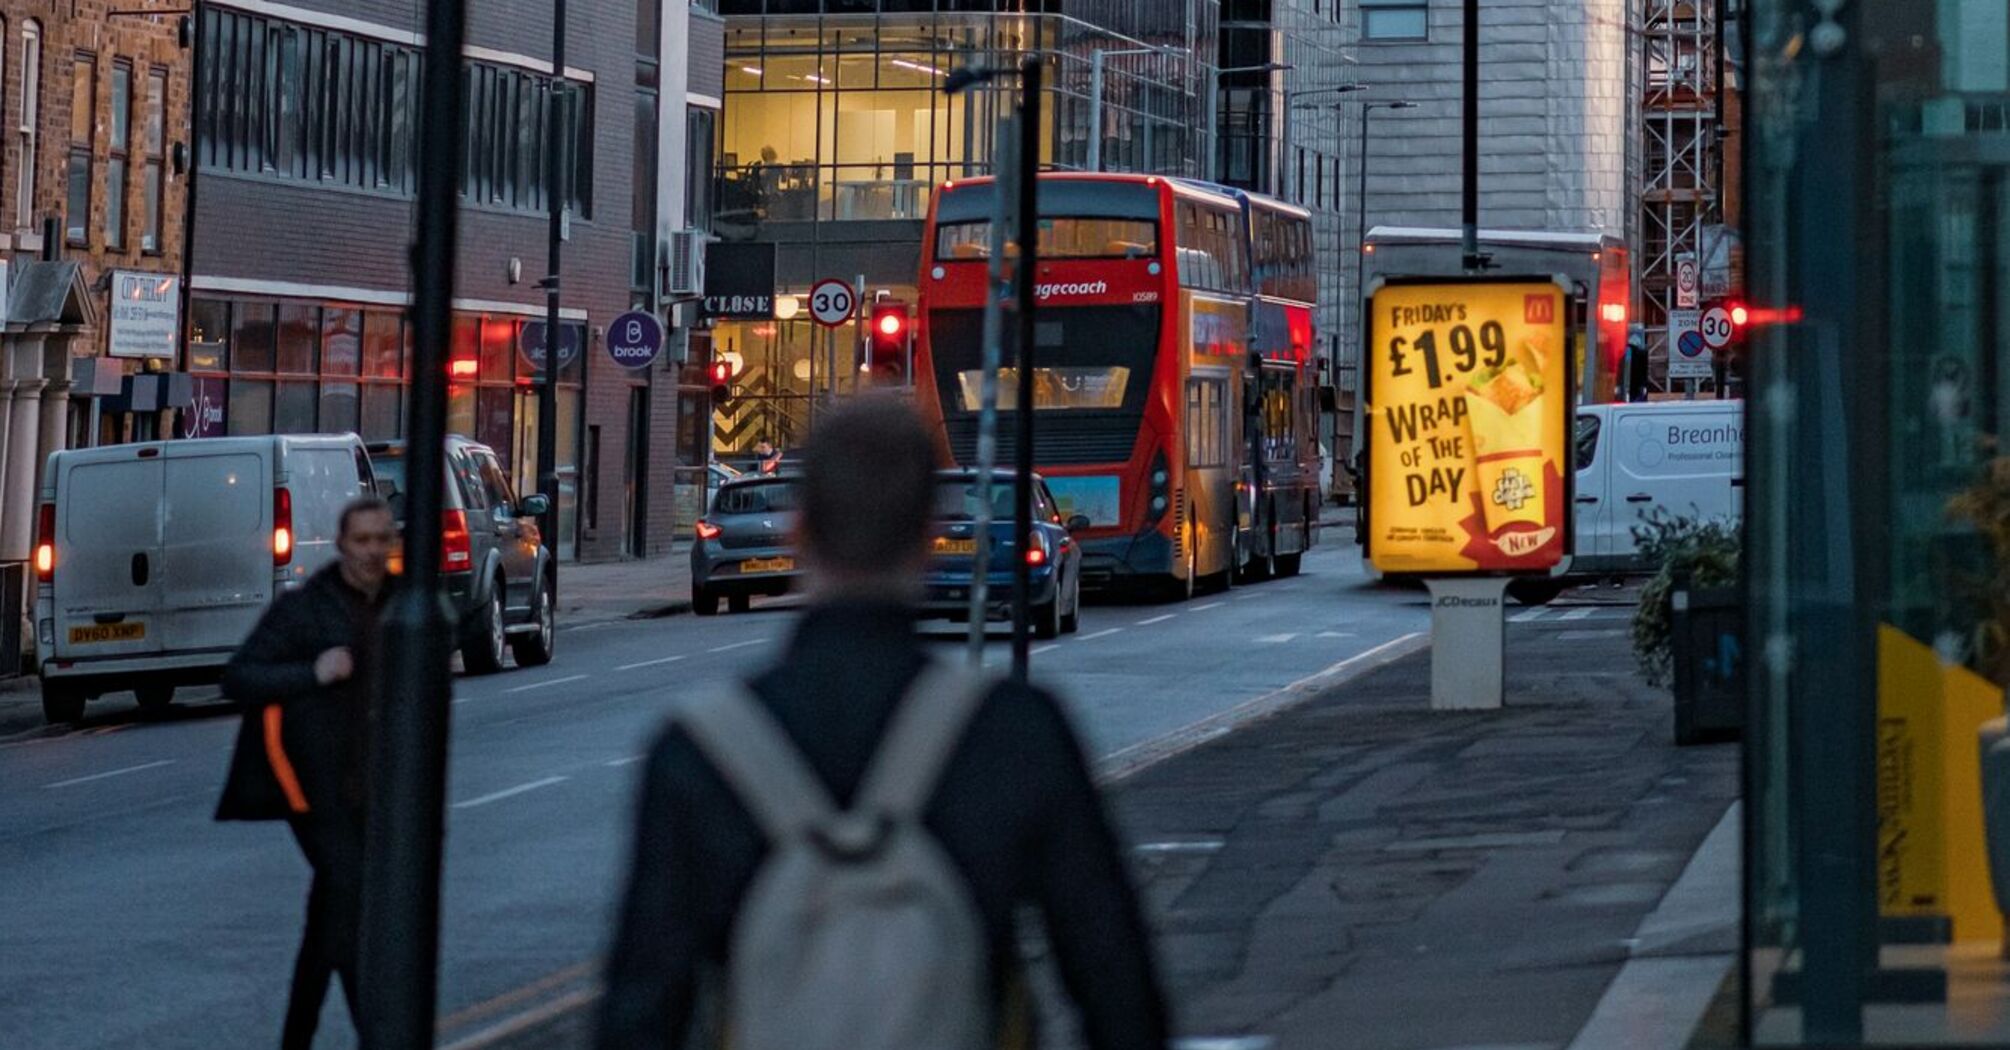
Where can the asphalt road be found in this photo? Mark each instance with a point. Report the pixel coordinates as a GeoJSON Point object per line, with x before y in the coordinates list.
{"type": "Point", "coordinates": [129, 919]}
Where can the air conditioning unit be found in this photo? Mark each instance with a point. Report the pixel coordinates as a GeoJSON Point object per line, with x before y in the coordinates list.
{"type": "Point", "coordinates": [684, 272]}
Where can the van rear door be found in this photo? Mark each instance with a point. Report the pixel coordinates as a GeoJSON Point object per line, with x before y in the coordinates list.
{"type": "Point", "coordinates": [217, 535]}
{"type": "Point", "coordinates": [108, 554]}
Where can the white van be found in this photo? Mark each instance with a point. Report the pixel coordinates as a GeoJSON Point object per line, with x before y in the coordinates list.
{"type": "Point", "coordinates": [154, 560]}
{"type": "Point", "coordinates": [1685, 457]}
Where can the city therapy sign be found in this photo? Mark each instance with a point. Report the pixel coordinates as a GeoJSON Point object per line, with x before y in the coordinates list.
{"type": "Point", "coordinates": [1469, 400]}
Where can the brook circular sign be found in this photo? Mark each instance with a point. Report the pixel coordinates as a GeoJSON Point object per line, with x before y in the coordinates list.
{"type": "Point", "coordinates": [634, 339]}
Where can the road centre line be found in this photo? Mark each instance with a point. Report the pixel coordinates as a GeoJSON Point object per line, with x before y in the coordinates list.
{"type": "Point", "coordinates": [498, 796]}
{"type": "Point", "coordinates": [546, 682]}
{"type": "Point", "coordinates": [629, 761]}
{"type": "Point", "coordinates": [111, 773]}
{"type": "Point", "coordinates": [736, 645]}
{"type": "Point", "coordinates": [1575, 614]}
{"type": "Point", "coordinates": [650, 663]}
{"type": "Point", "coordinates": [1210, 605]}
{"type": "Point", "coordinates": [1104, 633]}
{"type": "Point", "coordinates": [1045, 649]}
{"type": "Point", "coordinates": [1156, 619]}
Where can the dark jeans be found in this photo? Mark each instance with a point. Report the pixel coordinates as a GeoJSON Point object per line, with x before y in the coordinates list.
{"type": "Point", "coordinates": [334, 848]}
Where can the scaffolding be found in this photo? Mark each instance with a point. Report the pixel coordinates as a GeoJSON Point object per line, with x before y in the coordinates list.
{"type": "Point", "coordinates": [1682, 198]}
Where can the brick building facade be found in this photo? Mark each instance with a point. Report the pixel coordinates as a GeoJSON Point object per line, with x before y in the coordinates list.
{"type": "Point", "coordinates": [307, 153]}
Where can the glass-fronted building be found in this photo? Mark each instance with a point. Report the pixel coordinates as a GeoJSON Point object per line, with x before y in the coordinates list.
{"type": "Point", "coordinates": [835, 129]}
{"type": "Point", "coordinates": [1877, 540]}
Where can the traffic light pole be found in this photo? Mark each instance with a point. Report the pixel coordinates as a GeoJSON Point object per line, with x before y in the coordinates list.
{"type": "Point", "coordinates": [399, 949]}
{"type": "Point", "coordinates": [558, 156]}
{"type": "Point", "coordinates": [1028, 264]}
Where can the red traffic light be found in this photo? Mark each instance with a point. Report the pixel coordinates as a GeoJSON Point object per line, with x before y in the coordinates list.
{"type": "Point", "coordinates": [1740, 315]}
{"type": "Point", "coordinates": [888, 331]}
{"type": "Point", "coordinates": [722, 372]}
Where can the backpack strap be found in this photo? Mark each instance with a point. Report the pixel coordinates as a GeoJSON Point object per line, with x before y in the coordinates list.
{"type": "Point", "coordinates": [757, 759]}
{"type": "Point", "coordinates": [924, 732]}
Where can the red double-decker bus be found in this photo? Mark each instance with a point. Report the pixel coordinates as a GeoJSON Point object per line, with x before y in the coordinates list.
{"type": "Point", "coordinates": [1170, 412]}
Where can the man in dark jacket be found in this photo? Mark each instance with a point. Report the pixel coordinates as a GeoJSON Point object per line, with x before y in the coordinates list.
{"type": "Point", "coordinates": [305, 677]}
{"type": "Point", "coordinates": [1016, 811]}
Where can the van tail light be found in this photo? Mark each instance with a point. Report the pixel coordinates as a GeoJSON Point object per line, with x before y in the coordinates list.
{"type": "Point", "coordinates": [1036, 552]}
{"type": "Point", "coordinates": [45, 543]}
{"type": "Point", "coordinates": [282, 526]}
{"type": "Point", "coordinates": [457, 552]}
{"type": "Point", "coordinates": [709, 531]}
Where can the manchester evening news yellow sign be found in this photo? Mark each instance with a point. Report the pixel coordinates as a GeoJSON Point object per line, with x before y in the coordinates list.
{"type": "Point", "coordinates": [1468, 403]}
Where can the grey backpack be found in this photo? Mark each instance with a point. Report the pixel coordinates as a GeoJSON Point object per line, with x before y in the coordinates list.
{"type": "Point", "coordinates": [857, 932]}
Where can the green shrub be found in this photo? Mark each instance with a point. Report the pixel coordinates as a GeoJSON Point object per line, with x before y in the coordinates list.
{"type": "Point", "coordinates": [1706, 552]}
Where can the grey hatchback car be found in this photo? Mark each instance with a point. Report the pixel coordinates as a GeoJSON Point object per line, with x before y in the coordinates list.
{"type": "Point", "coordinates": [743, 543]}
{"type": "Point", "coordinates": [496, 569]}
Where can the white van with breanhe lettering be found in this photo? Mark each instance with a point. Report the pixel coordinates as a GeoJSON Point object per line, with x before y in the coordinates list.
{"type": "Point", "coordinates": [154, 560]}
{"type": "Point", "coordinates": [1685, 458]}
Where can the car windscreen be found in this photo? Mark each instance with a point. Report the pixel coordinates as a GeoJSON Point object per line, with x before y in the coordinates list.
{"type": "Point", "coordinates": [959, 499]}
{"type": "Point", "coordinates": [765, 497]}
{"type": "Point", "coordinates": [1093, 357]}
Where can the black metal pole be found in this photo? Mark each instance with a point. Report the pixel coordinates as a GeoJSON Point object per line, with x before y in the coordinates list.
{"type": "Point", "coordinates": [1022, 480]}
{"type": "Point", "coordinates": [408, 753]}
{"type": "Point", "coordinates": [195, 119]}
{"type": "Point", "coordinates": [557, 155]}
{"type": "Point", "coordinates": [1469, 183]}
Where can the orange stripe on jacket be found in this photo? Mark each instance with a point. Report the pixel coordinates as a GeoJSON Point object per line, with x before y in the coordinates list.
{"type": "Point", "coordinates": [282, 767]}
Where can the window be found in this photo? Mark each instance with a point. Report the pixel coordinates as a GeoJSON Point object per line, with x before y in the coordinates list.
{"type": "Point", "coordinates": [120, 157]}
{"type": "Point", "coordinates": [83, 136]}
{"type": "Point", "coordinates": [1206, 423]}
{"type": "Point", "coordinates": [153, 176]}
{"type": "Point", "coordinates": [507, 125]}
{"type": "Point", "coordinates": [300, 102]}
{"type": "Point", "coordinates": [1587, 441]}
{"type": "Point", "coordinates": [1060, 238]}
{"type": "Point", "coordinates": [642, 194]}
{"type": "Point", "coordinates": [1394, 20]}
{"type": "Point", "coordinates": [698, 173]}
{"type": "Point", "coordinates": [31, 119]}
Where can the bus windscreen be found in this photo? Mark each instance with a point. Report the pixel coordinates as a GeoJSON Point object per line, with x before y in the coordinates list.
{"type": "Point", "coordinates": [1093, 357]}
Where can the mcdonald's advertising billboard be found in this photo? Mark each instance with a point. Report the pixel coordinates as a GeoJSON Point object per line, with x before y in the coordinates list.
{"type": "Point", "coordinates": [1469, 399]}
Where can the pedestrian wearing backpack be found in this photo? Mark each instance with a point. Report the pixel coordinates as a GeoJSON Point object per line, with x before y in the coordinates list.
{"type": "Point", "coordinates": [835, 853]}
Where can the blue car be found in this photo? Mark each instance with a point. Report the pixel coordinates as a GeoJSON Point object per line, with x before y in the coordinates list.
{"type": "Point", "coordinates": [1056, 558]}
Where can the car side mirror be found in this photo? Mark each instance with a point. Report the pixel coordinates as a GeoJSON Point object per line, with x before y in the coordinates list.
{"type": "Point", "coordinates": [535, 505]}
{"type": "Point", "coordinates": [1078, 522]}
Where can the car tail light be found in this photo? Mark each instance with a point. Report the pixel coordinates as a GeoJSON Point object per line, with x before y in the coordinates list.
{"type": "Point", "coordinates": [457, 552]}
{"type": "Point", "coordinates": [45, 543]}
{"type": "Point", "coordinates": [1036, 552]}
{"type": "Point", "coordinates": [709, 531]}
{"type": "Point", "coordinates": [282, 526]}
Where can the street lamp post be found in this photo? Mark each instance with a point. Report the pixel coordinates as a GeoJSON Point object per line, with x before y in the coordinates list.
{"type": "Point", "coordinates": [1284, 160]}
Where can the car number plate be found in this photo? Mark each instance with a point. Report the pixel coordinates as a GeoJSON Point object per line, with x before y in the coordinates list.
{"type": "Point", "coordinates": [108, 632]}
{"type": "Point", "coordinates": [768, 565]}
{"type": "Point", "coordinates": [947, 545]}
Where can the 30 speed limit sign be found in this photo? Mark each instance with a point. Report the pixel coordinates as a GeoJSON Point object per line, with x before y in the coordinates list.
{"type": "Point", "coordinates": [1716, 327]}
{"type": "Point", "coordinates": [832, 302]}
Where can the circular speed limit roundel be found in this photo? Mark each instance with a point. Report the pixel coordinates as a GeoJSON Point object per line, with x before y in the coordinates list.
{"type": "Point", "coordinates": [832, 302]}
{"type": "Point", "coordinates": [1716, 327]}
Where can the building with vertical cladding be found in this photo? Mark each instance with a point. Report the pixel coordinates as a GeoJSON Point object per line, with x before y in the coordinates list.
{"type": "Point", "coordinates": [835, 131]}
{"type": "Point", "coordinates": [94, 109]}
{"type": "Point", "coordinates": [1558, 123]}
{"type": "Point", "coordinates": [307, 148]}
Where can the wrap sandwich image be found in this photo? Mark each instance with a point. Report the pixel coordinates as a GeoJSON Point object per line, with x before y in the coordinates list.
{"type": "Point", "coordinates": [1506, 410]}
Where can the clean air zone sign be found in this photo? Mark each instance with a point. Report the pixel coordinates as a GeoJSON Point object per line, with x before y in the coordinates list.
{"type": "Point", "coordinates": [1469, 400]}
